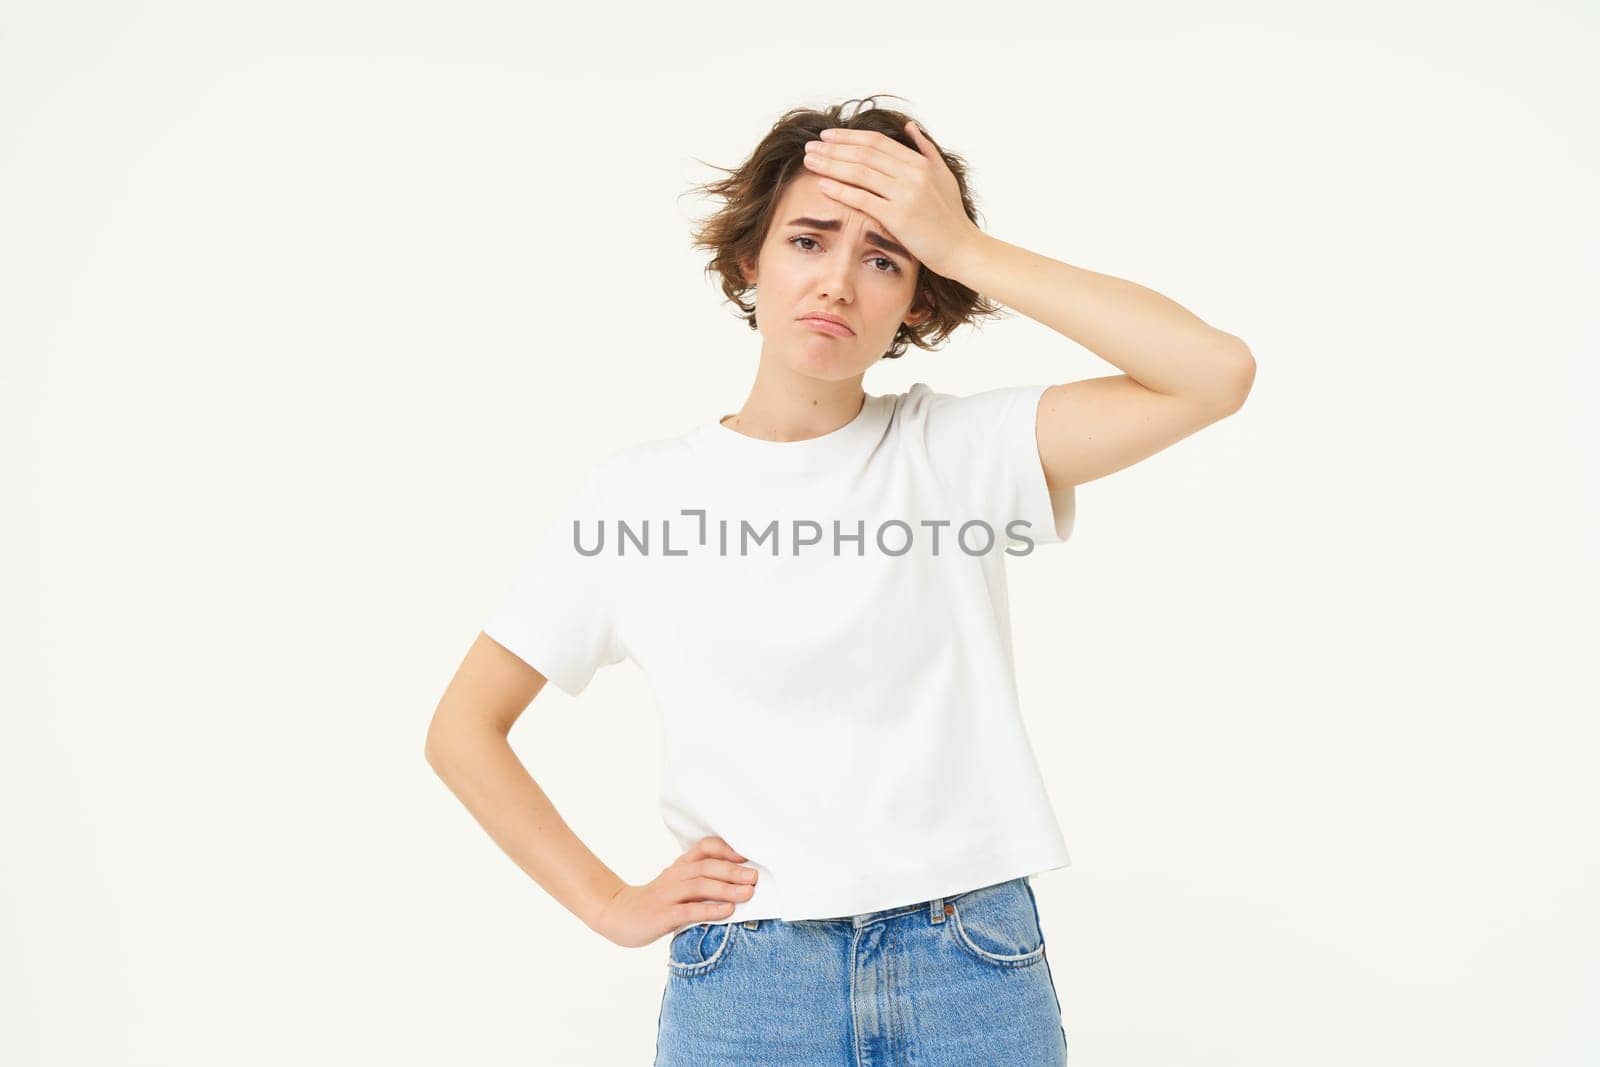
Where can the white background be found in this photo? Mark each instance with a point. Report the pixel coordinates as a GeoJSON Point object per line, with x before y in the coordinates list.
{"type": "Point", "coordinates": [315, 313]}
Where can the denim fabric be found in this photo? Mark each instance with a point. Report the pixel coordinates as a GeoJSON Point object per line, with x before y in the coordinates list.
{"type": "Point", "coordinates": [952, 982]}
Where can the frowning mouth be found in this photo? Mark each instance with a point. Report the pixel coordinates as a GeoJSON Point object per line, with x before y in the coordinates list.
{"type": "Point", "coordinates": [831, 324]}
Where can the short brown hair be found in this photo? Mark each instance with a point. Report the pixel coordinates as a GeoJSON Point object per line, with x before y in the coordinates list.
{"type": "Point", "coordinates": [750, 195]}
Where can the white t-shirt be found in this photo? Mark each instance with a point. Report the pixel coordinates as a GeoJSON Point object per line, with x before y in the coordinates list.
{"type": "Point", "coordinates": [843, 712]}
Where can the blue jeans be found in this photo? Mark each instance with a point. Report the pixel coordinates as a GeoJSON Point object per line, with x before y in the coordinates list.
{"type": "Point", "coordinates": [958, 980]}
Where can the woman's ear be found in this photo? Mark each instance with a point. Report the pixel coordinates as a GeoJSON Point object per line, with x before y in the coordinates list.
{"type": "Point", "coordinates": [748, 270]}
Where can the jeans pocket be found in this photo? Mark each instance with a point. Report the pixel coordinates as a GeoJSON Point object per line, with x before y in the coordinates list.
{"type": "Point", "coordinates": [699, 949]}
{"type": "Point", "coordinates": [998, 925]}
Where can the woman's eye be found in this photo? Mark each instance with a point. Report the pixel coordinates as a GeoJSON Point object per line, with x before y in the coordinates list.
{"type": "Point", "coordinates": [894, 268]}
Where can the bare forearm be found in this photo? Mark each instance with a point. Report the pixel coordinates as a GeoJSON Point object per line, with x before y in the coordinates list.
{"type": "Point", "coordinates": [484, 773]}
{"type": "Point", "coordinates": [1154, 340]}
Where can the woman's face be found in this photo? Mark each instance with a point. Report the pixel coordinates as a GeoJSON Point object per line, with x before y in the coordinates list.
{"type": "Point", "coordinates": [823, 255]}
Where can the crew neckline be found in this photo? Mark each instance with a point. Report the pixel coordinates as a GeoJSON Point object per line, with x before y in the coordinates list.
{"type": "Point", "coordinates": [805, 454]}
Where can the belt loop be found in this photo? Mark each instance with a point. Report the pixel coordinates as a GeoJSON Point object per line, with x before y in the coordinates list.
{"type": "Point", "coordinates": [936, 910]}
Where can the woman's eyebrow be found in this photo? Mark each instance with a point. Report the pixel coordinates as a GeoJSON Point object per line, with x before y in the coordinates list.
{"type": "Point", "coordinates": [873, 237]}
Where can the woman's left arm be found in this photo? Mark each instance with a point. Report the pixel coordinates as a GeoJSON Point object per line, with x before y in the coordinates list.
{"type": "Point", "coordinates": [1179, 373]}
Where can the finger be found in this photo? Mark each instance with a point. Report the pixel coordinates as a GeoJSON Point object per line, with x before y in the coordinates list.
{"type": "Point", "coordinates": [683, 914]}
{"type": "Point", "coordinates": [728, 872]}
{"type": "Point", "coordinates": [710, 846]}
{"type": "Point", "coordinates": [865, 155]}
{"type": "Point", "coordinates": [881, 141]}
{"type": "Point", "coordinates": [694, 852]}
{"type": "Point", "coordinates": [823, 162]}
{"type": "Point", "coordinates": [860, 199]}
{"type": "Point", "coordinates": [715, 889]}
{"type": "Point", "coordinates": [927, 146]}
{"type": "Point", "coordinates": [853, 165]}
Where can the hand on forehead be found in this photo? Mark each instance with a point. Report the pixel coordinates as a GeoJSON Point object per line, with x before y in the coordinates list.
{"type": "Point", "coordinates": [806, 200]}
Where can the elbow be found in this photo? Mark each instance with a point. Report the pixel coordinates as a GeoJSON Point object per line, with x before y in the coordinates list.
{"type": "Point", "coordinates": [434, 745]}
{"type": "Point", "coordinates": [1236, 379]}
{"type": "Point", "coordinates": [455, 739]}
{"type": "Point", "coordinates": [444, 757]}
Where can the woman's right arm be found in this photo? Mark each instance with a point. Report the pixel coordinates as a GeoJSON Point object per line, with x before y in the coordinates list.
{"type": "Point", "coordinates": [468, 747]}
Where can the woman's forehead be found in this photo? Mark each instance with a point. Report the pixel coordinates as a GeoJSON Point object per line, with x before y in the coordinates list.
{"type": "Point", "coordinates": [807, 200]}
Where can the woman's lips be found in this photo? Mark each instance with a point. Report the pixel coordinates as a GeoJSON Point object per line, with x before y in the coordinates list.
{"type": "Point", "coordinates": [827, 327]}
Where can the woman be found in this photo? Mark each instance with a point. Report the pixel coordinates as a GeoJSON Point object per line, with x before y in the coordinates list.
{"type": "Point", "coordinates": [815, 586]}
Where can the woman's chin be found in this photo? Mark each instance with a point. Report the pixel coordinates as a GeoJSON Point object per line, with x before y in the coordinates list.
{"type": "Point", "coordinates": [831, 355]}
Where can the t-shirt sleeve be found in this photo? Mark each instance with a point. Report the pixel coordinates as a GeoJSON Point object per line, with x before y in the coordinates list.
{"type": "Point", "coordinates": [559, 614]}
{"type": "Point", "coordinates": [986, 447]}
